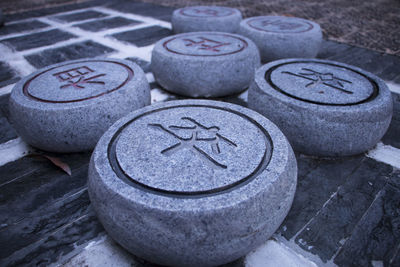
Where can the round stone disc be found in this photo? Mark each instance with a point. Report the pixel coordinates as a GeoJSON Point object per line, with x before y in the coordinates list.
{"type": "Point", "coordinates": [280, 37]}
{"type": "Point", "coordinates": [192, 182]}
{"type": "Point", "coordinates": [206, 18]}
{"type": "Point", "coordinates": [324, 107]}
{"type": "Point", "coordinates": [205, 64]}
{"type": "Point", "coordinates": [66, 107]}
{"type": "Point", "coordinates": [202, 149]}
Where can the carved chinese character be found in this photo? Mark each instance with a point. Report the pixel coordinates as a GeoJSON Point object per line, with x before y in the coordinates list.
{"type": "Point", "coordinates": [205, 44]}
{"type": "Point", "coordinates": [318, 78]}
{"type": "Point", "coordinates": [210, 12]}
{"type": "Point", "coordinates": [283, 25]}
{"type": "Point", "coordinates": [198, 134]}
{"type": "Point", "coordinates": [76, 77]}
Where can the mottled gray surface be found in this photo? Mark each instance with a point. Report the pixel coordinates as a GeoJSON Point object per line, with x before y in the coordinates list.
{"type": "Point", "coordinates": [205, 64]}
{"type": "Point", "coordinates": [280, 37]}
{"type": "Point", "coordinates": [67, 107]}
{"type": "Point", "coordinates": [206, 18]}
{"type": "Point", "coordinates": [169, 182]}
{"type": "Point", "coordinates": [324, 107]}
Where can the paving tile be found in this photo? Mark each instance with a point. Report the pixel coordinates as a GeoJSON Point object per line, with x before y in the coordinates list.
{"type": "Point", "coordinates": [145, 65]}
{"type": "Point", "coordinates": [78, 16]}
{"type": "Point", "coordinates": [325, 234]}
{"type": "Point", "coordinates": [144, 36]}
{"type": "Point", "coordinates": [7, 75]}
{"type": "Point", "coordinates": [318, 179]}
{"type": "Point", "coordinates": [62, 241]}
{"type": "Point", "coordinates": [144, 9]}
{"type": "Point", "coordinates": [7, 132]}
{"type": "Point", "coordinates": [38, 39]}
{"type": "Point", "coordinates": [22, 27]}
{"type": "Point", "coordinates": [37, 187]}
{"type": "Point", "coordinates": [87, 49]}
{"type": "Point", "coordinates": [377, 235]}
{"type": "Point", "coordinates": [392, 136]}
{"type": "Point", "coordinates": [104, 24]}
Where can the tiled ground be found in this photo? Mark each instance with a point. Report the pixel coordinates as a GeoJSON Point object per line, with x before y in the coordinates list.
{"type": "Point", "coordinates": [346, 211]}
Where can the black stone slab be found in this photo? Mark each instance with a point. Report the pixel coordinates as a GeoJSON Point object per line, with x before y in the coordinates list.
{"type": "Point", "coordinates": [144, 9]}
{"type": "Point", "coordinates": [7, 75]}
{"type": "Point", "coordinates": [87, 49]}
{"type": "Point", "coordinates": [377, 235]}
{"type": "Point", "coordinates": [104, 24]}
{"type": "Point", "coordinates": [38, 187]}
{"type": "Point", "coordinates": [38, 39]}
{"type": "Point", "coordinates": [6, 131]}
{"type": "Point", "coordinates": [78, 16]}
{"type": "Point", "coordinates": [392, 136]}
{"type": "Point", "coordinates": [335, 222]}
{"type": "Point", "coordinates": [318, 179]}
{"type": "Point", "coordinates": [145, 65]}
{"type": "Point", "coordinates": [383, 65]}
{"type": "Point", "coordinates": [22, 27]}
{"type": "Point", "coordinates": [144, 36]}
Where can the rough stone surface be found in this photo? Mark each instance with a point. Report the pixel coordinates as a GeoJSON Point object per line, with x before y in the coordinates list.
{"type": "Point", "coordinates": [192, 182]}
{"type": "Point", "coordinates": [205, 64]}
{"type": "Point", "coordinates": [283, 37]}
{"type": "Point", "coordinates": [324, 107]}
{"type": "Point", "coordinates": [206, 18]}
{"type": "Point", "coordinates": [68, 106]}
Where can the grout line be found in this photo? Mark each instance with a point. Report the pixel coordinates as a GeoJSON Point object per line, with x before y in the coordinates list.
{"type": "Point", "coordinates": [386, 154]}
{"type": "Point", "coordinates": [13, 150]}
{"type": "Point", "coordinates": [6, 89]}
{"type": "Point", "coordinates": [393, 87]}
{"type": "Point", "coordinates": [16, 61]}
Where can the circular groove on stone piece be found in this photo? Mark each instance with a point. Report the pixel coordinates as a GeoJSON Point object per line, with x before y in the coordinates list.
{"type": "Point", "coordinates": [205, 44]}
{"type": "Point", "coordinates": [78, 81]}
{"type": "Point", "coordinates": [279, 24]}
{"type": "Point", "coordinates": [206, 11]}
{"type": "Point", "coordinates": [202, 138]}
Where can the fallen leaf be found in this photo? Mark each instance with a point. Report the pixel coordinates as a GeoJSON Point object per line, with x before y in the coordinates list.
{"type": "Point", "coordinates": [62, 165]}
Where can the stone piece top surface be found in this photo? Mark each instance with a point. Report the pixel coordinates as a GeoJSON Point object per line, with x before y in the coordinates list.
{"type": "Point", "coordinates": [280, 24]}
{"type": "Point", "coordinates": [205, 44]}
{"type": "Point", "coordinates": [321, 83]}
{"type": "Point", "coordinates": [77, 81]}
{"type": "Point", "coordinates": [206, 11]}
{"type": "Point", "coordinates": [191, 149]}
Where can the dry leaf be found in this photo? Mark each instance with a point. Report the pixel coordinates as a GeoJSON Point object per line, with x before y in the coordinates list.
{"type": "Point", "coordinates": [59, 163]}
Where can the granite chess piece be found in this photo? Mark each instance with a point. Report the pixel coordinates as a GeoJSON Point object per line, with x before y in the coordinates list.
{"type": "Point", "coordinates": [283, 37]}
{"type": "Point", "coordinates": [66, 107]}
{"type": "Point", "coordinates": [205, 64]}
{"type": "Point", "coordinates": [206, 18]}
{"type": "Point", "coordinates": [325, 108]}
{"type": "Point", "coordinates": [192, 182]}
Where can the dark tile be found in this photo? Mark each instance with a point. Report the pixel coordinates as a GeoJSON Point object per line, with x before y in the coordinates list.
{"type": "Point", "coordinates": [144, 9]}
{"type": "Point", "coordinates": [144, 36]}
{"type": "Point", "coordinates": [104, 24]}
{"type": "Point", "coordinates": [392, 136]}
{"type": "Point", "coordinates": [40, 185]}
{"type": "Point", "coordinates": [7, 75]}
{"type": "Point", "coordinates": [145, 65]}
{"type": "Point", "coordinates": [38, 39]}
{"type": "Point", "coordinates": [77, 16]}
{"type": "Point", "coordinates": [6, 131]}
{"type": "Point", "coordinates": [318, 179]}
{"type": "Point", "coordinates": [86, 49]}
{"type": "Point", "coordinates": [50, 248]}
{"type": "Point", "coordinates": [335, 222]}
{"type": "Point", "coordinates": [22, 27]}
{"type": "Point", "coordinates": [43, 222]}
{"type": "Point", "coordinates": [377, 236]}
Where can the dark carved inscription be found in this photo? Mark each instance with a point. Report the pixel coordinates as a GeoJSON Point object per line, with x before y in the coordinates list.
{"type": "Point", "coordinates": [280, 24]}
{"type": "Point", "coordinates": [318, 78]}
{"type": "Point", "coordinates": [205, 44]}
{"type": "Point", "coordinates": [77, 77]}
{"type": "Point", "coordinates": [197, 133]}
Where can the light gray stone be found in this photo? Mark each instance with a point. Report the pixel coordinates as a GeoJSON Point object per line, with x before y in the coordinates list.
{"type": "Point", "coordinates": [283, 37]}
{"type": "Point", "coordinates": [205, 64]}
{"type": "Point", "coordinates": [67, 107]}
{"type": "Point", "coordinates": [325, 108]}
{"type": "Point", "coordinates": [192, 182]}
{"type": "Point", "coordinates": [206, 18]}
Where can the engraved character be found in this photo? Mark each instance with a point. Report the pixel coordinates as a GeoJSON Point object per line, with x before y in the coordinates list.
{"type": "Point", "coordinates": [76, 77]}
{"type": "Point", "coordinates": [205, 44]}
{"type": "Point", "coordinates": [198, 133]}
{"type": "Point", "coordinates": [282, 25]}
